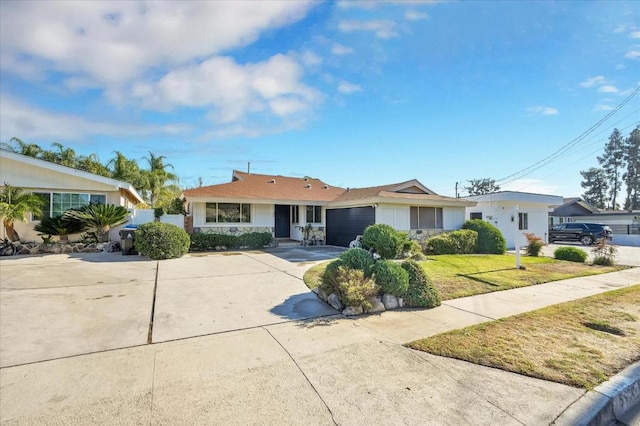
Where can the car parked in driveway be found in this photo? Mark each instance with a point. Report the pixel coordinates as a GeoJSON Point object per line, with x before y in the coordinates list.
{"type": "Point", "coordinates": [585, 233]}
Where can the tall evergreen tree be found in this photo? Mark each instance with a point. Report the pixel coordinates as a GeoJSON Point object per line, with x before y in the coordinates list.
{"type": "Point", "coordinates": [596, 187]}
{"type": "Point", "coordinates": [631, 177]}
{"type": "Point", "coordinates": [613, 162]}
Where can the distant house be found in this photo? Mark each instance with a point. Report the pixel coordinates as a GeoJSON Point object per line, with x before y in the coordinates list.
{"type": "Point", "coordinates": [498, 208]}
{"type": "Point", "coordinates": [625, 224]}
{"type": "Point", "coordinates": [286, 205]}
{"type": "Point", "coordinates": [61, 187]}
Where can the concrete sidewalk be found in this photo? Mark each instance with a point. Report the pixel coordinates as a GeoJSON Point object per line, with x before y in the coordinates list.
{"type": "Point", "coordinates": [324, 371]}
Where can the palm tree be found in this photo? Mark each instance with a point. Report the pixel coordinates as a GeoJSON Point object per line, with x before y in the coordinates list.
{"type": "Point", "coordinates": [29, 149]}
{"type": "Point", "coordinates": [15, 205]}
{"type": "Point", "coordinates": [157, 175]}
{"type": "Point", "coordinates": [102, 217]}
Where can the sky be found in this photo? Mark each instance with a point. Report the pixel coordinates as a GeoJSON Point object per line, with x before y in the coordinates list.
{"type": "Point", "coordinates": [356, 93]}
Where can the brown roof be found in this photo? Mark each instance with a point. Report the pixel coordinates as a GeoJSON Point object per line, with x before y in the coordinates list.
{"type": "Point", "coordinates": [268, 187]}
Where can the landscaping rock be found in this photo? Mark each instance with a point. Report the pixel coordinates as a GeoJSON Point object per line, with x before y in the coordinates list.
{"type": "Point", "coordinates": [376, 306]}
{"type": "Point", "coordinates": [352, 311]}
{"type": "Point", "coordinates": [390, 301]}
{"type": "Point", "coordinates": [335, 302]}
{"type": "Point", "coordinates": [322, 294]}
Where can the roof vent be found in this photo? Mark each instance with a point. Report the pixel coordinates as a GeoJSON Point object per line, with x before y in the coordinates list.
{"type": "Point", "coordinates": [348, 189]}
{"type": "Point", "coordinates": [272, 181]}
{"type": "Point", "coordinates": [325, 187]}
{"type": "Point", "coordinates": [305, 178]}
{"type": "Point", "coordinates": [308, 185]}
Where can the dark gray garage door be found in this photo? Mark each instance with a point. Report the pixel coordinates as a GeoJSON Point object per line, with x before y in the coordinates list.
{"type": "Point", "coordinates": [343, 225]}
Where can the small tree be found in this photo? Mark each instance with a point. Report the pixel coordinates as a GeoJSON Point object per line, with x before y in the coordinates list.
{"type": "Point", "coordinates": [482, 186]}
{"type": "Point", "coordinates": [60, 226]}
{"type": "Point", "coordinates": [15, 204]}
{"type": "Point", "coordinates": [534, 244]}
{"type": "Point", "coordinates": [102, 217]}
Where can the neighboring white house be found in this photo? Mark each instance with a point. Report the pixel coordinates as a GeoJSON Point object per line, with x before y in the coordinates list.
{"type": "Point", "coordinates": [286, 205]}
{"type": "Point", "coordinates": [61, 187]}
{"type": "Point", "coordinates": [498, 208]}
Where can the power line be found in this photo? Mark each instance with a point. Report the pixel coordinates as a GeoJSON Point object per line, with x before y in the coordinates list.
{"type": "Point", "coordinates": [528, 170]}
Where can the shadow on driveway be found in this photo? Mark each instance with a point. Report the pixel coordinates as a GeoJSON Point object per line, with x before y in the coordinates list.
{"type": "Point", "coordinates": [303, 306]}
{"type": "Point", "coordinates": [305, 254]}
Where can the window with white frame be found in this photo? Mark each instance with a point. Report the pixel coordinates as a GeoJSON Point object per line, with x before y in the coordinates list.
{"type": "Point", "coordinates": [425, 217]}
{"type": "Point", "coordinates": [314, 214]}
{"type": "Point", "coordinates": [295, 214]}
{"type": "Point", "coordinates": [523, 221]}
{"type": "Point", "coordinates": [228, 213]}
{"type": "Point", "coordinates": [56, 203]}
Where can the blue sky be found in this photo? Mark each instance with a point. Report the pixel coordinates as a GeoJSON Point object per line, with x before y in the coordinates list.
{"type": "Point", "coordinates": [355, 93]}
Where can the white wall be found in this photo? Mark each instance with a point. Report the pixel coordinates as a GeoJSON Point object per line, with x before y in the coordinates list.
{"type": "Point", "coordinates": [499, 214]}
{"type": "Point", "coordinates": [398, 216]}
{"type": "Point", "coordinates": [261, 215]}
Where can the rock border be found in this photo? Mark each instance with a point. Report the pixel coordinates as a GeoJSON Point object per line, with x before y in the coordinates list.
{"type": "Point", "coordinates": [66, 248]}
{"type": "Point", "coordinates": [378, 304]}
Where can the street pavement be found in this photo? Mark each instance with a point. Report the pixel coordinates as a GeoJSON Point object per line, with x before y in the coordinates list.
{"type": "Point", "coordinates": [236, 338]}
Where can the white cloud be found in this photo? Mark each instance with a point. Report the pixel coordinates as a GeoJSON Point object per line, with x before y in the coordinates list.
{"type": "Point", "coordinates": [382, 28]}
{"type": "Point", "coordinates": [536, 186]}
{"type": "Point", "coordinates": [608, 89]}
{"type": "Point", "coordinates": [542, 110]}
{"type": "Point", "coordinates": [593, 81]}
{"type": "Point", "coordinates": [340, 50]}
{"type": "Point", "coordinates": [632, 54]}
{"type": "Point", "coordinates": [603, 107]}
{"type": "Point", "coordinates": [415, 15]}
{"type": "Point", "coordinates": [634, 34]}
{"type": "Point", "coordinates": [115, 42]}
{"type": "Point", "coordinates": [232, 91]}
{"type": "Point", "coordinates": [27, 122]}
{"type": "Point", "coordinates": [348, 88]}
{"type": "Point", "coordinates": [310, 59]}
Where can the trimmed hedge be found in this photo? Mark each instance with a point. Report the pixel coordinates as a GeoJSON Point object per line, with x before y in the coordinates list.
{"type": "Point", "coordinates": [203, 241]}
{"type": "Point", "coordinates": [462, 241]}
{"type": "Point", "coordinates": [572, 254]}
{"type": "Point", "coordinates": [421, 292]}
{"type": "Point", "coordinates": [384, 240]}
{"type": "Point", "coordinates": [157, 241]}
{"type": "Point", "coordinates": [391, 277]}
{"type": "Point", "coordinates": [490, 239]}
{"type": "Point", "coordinates": [357, 258]}
{"type": "Point", "coordinates": [440, 244]}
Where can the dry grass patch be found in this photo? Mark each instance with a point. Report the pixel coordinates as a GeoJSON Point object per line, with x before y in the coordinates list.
{"type": "Point", "coordinates": [580, 343]}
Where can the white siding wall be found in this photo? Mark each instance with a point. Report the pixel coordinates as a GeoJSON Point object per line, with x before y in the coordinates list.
{"type": "Point", "coordinates": [261, 215]}
{"type": "Point", "coordinates": [453, 218]}
{"type": "Point", "coordinates": [395, 215]}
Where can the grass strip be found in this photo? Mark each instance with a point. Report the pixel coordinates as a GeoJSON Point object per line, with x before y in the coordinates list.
{"type": "Point", "coordinates": [580, 343]}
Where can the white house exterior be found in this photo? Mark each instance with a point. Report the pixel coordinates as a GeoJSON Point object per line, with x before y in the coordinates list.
{"type": "Point", "coordinates": [285, 205]}
{"type": "Point", "coordinates": [62, 187]}
{"type": "Point", "coordinates": [498, 208]}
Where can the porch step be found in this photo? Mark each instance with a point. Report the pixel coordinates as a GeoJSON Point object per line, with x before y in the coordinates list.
{"type": "Point", "coordinates": [286, 242]}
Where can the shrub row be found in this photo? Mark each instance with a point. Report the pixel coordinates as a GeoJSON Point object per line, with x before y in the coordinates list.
{"type": "Point", "coordinates": [207, 241]}
{"type": "Point", "coordinates": [463, 241]}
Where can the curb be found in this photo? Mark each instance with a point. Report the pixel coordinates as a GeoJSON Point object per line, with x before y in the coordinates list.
{"type": "Point", "coordinates": [616, 400]}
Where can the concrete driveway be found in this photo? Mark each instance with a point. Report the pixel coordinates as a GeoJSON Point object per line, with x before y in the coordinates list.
{"type": "Point", "coordinates": [57, 306]}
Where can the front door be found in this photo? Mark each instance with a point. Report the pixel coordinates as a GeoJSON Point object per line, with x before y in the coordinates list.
{"type": "Point", "coordinates": [283, 220]}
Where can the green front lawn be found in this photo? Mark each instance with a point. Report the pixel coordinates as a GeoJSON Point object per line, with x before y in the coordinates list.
{"type": "Point", "coordinates": [465, 275]}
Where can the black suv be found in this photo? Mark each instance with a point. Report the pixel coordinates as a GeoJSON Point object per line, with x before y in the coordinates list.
{"type": "Point", "coordinates": [586, 233]}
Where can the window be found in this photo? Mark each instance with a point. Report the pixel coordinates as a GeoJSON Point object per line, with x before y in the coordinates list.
{"type": "Point", "coordinates": [56, 203]}
{"type": "Point", "coordinates": [295, 214]}
{"type": "Point", "coordinates": [314, 214]}
{"type": "Point", "coordinates": [523, 221]}
{"type": "Point", "coordinates": [476, 216]}
{"type": "Point", "coordinates": [425, 217]}
{"type": "Point", "coordinates": [227, 213]}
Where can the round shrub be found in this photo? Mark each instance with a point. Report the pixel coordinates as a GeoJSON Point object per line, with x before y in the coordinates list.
{"type": "Point", "coordinates": [329, 277]}
{"type": "Point", "coordinates": [490, 239]}
{"type": "Point", "coordinates": [572, 254]}
{"type": "Point", "coordinates": [157, 241]}
{"type": "Point", "coordinates": [421, 292]}
{"type": "Point", "coordinates": [440, 244]}
{"type": "Point", "coordinates": [386, 241]}
{"type": "Point", "coordinates": [411, 248]}
{"type": "Point", "coordinates": [391, 277]}
{"type": "Point", "coordinates": [357, 258]}
{"type": "Point", "coordinates": [354, 288]}
{"type": "Point", "coordinates": [465, 240]}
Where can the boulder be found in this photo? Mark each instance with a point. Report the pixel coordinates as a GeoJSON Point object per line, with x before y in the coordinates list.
{"type": "Point", "coordinates": [322, 294]}
{"type": "Point", "coordinates": [376, 306]}
{"type": "Point", "coordinates": [352, 311]}
{"type": "Point", "coordinates": [390, 301]}
{"type": "Point", "coordinates": [335, 302]}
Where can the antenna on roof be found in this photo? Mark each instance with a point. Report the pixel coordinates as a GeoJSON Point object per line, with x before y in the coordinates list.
{"type": "Point", "coordinates": [249, 167]}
